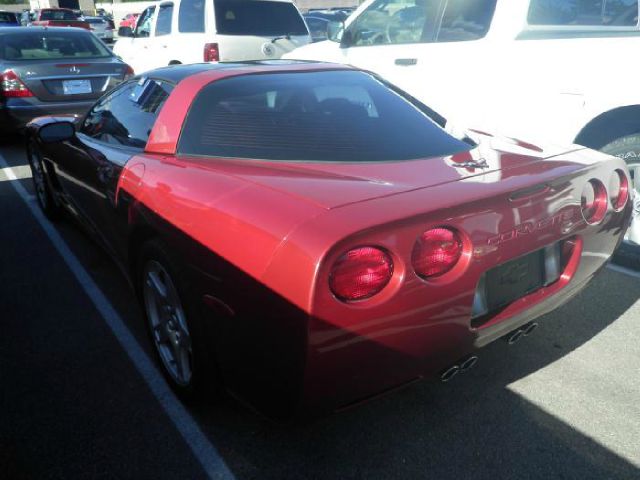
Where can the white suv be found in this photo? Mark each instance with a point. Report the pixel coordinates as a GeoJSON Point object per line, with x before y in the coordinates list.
{"type": "Point", "coordinates": [560, 71]}
{"type": "Point", "coordinates": [192, 31]}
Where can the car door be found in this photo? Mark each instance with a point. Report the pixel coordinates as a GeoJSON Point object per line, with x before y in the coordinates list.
{"type": "Point", "coordinates": [115, 130]}
{"type": "Point", "coordinates": [135, 50]}
{"type": "Point", "coordinates": [161, 46]}
{"type": "Point", "coordinates": [434, 49]}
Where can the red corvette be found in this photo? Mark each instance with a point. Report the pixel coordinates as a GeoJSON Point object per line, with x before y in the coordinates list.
{"type": "Point", "coordinates": [308, 236]}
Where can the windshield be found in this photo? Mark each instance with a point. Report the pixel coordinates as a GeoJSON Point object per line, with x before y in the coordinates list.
{"type": "Point", "coordinates": [51, 45]}
{"type": "Point", "coordinates": [58, 15]}
{"type": "Point", "coordinates": [334, 116]}
{"type": "Point", "coordinates": [258, 17]}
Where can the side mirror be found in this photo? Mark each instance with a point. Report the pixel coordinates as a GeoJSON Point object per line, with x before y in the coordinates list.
{"type": "Point", "coordinates": [335, 31]}
{"type": "Point", "coordinates": [56, 132]}
{"type": "Point", "coordinates": [125, 32]}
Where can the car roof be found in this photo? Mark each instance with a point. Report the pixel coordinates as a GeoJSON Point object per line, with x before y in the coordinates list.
{"type": "Point", "coordinates": [13, 30]}
{"type": "Point", "coordinates": [176, 73]}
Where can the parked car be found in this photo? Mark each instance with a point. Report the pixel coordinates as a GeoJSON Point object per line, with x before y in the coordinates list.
{"type": "Point", "coordinates": [309, 236]}
{"type": "Point", "coordinates": [9, 19]}
{"type": "Point", "coordinates": [100, 28]}
{"type": "Point", "coordinates": [51, 71]}
{"type": "Point", "coordinates": [59, 17]}
{"type": "Point", "coordinates": [531, 69]}
{"type": "Point", "coordinates": [192, 31]}
{"type": "Point", "coordinates": [129, 20]}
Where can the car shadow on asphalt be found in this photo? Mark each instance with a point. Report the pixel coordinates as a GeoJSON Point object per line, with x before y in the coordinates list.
{"type": "Point", "coordinates": [473, 428]}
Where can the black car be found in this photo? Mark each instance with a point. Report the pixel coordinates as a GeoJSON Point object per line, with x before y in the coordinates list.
{"type": "Point", "coordinates": [50, 71]}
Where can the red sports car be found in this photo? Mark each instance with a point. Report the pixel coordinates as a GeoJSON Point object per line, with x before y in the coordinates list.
{"type": "Point", "coordinates": [308, 236]}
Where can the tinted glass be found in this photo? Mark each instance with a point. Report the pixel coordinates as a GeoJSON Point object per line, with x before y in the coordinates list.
{"type": "Point", "coordinates": [321, 116]}
{"type": "Point", "coordinates": [94, 21]}
{"type": "Point", "coordinates": [466, 20]}
{"type": "Point", "coordinates": [163, 24]}
{"type": "Point", "coordinates": [614, 13]}
{"type": "Point", "coordinates": [7, 17]}
{"type": "Point", "coordinates": [191, 16]}
{"type": "Point", "coordinates": [143, 27]}
{"type": "Point", "coordinates": [264, 18]}
{"type": "Point", "coordinates": [317, 27]}
{"type": "Point", "coordinates": [57, 15]}
{"type": "Point", "coordinates": [71, 44]}
{"type": "Point", "coordinates": [126, 116]}
{"type": "Point", "coordinates": [388, 22]}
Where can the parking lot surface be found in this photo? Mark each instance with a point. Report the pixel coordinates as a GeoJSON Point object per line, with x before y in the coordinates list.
{"type": "Point", "coordinates": [80, 398]}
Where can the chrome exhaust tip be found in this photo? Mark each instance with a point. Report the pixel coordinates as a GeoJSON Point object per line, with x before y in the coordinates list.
{"type": "Point", "coordinates": [468, 363]}
{"type": "Point", "coordinates": [513, 337]}
{"type": "Point", "coordinates": [449, 373]}
{"type": "Point", "coordinates": [529, 328]}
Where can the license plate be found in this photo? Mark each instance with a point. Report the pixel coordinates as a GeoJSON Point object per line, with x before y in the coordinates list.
{"type": "Point", "coordinates": [515, 279]}
{"type": "Point", "coordinates": [76, 87]}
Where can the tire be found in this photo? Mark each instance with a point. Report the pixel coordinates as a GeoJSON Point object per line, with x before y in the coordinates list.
{"type": "Point", "coordinates": [177, 332]}
{"type": "Point", "coordinates": [41, 183]}
{"type": "Point", "coordinates": [628, 148]}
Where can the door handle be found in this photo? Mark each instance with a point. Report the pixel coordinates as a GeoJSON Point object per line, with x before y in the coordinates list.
{"type": "Point", "coordinates": [406, 62]}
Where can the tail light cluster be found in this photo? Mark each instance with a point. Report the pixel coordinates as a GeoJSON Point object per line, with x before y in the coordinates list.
{"type": "Point", "coordinates": [211, 52]}
{"type": "Point", "coordinates": [12, 86]}
{"type": "Point", "coordinates": [363, 272]}
{"type": "Point", "coordinates": [128, 72]}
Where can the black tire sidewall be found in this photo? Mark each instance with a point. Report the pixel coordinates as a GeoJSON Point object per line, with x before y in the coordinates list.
{"type": "Point", "coordinates": [50, 209]}
{"type": "Point", "coordinates": [203, 378]}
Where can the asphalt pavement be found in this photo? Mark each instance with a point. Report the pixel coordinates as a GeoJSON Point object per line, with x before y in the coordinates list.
{"type": "Point", "coordinates": [79, 397]}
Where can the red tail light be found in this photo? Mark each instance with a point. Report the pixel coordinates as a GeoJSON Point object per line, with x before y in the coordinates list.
{"type": "Point", "coordinates": [619, 189]}
{"type": "Point", "coordinates": [128, 72]}
{"type": "Point", "coordinates": [360, 273]}
{"type": "Point", "coordinates": [594, 201]}
{"type": "Point", "coordinates": [211, 52]}
{"type": "Point", "coordinates": [12, 86]}
{"type": "Point", "coordinates": [436, 252]}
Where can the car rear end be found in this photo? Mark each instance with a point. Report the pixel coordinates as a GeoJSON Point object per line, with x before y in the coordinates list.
{"type": "Point", "coordinates": [255, 30]}
{"type": "Point", "coordinates": [421, 280]}
{"type": "Point", "coordinates": [59, 17]}
{"type": "Point", "coordinates": [101, 28]}
{"type": "Point", "coordinates": [53, 71]}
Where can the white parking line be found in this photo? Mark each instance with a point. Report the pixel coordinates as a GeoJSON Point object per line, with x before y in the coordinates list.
{"type": "Point", "coordinates": [199, 444]}
{"type": "Point", "coordinates": [623, 270]}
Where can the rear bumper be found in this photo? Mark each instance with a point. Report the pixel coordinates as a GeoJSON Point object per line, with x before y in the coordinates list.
{"type": "Point", "coordinates": [17, 113]}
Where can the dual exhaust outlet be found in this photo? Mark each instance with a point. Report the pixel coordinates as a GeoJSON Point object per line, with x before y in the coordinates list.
{"type": "Point", "coordinates": [469, 362]}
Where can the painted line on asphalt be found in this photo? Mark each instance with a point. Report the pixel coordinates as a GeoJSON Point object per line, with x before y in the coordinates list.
{"type": "Point", "coordinates": [202, 448]}
{"type": "Point", "coordinates": [623, 270]}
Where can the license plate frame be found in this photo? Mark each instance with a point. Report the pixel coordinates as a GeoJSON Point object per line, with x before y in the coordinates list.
{"type": "Point", "coordinates": [515, 279]}
{"type": "Point", "coordinates": [76, 87]}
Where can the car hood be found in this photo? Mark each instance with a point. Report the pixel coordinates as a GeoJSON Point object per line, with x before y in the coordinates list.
{"type": "Point", "coordinates": [332, 185]}
{"type": "Point", "coordinates": [326, 51]}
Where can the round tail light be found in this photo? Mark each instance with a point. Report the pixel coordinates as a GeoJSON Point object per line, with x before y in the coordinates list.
{"type": "Point", "coordinates": [360, 273]}
{"type": "Point", "coordinates": [619, 189]}
{"type": "Point", "coordinates": [594, 201]}
{"type": "Point", "coordinates": [436, 252]}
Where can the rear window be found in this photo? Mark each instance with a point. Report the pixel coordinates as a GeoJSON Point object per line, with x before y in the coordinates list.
{"type": "Point", "coordinates": [51, 45]}
{"type": "Point", "coordinates": [94, 21]}
{"type": "Point", "coordinates": [7, 17]}
{"type": "Point", "coordinates": [57, 15]}
{"type": "Point", "coordinates": [258, 17]}
{"type": "Point", "coordinates": [334, 116]}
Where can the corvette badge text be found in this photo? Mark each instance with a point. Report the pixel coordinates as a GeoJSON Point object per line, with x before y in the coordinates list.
{"type": "Point", "coordinates": [528, 228]}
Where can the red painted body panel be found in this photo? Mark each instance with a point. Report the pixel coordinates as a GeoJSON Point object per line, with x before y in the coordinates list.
{"type": "Point", "coordinates": [281, 226]}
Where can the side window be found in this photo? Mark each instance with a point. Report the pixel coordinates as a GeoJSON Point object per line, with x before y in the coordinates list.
{"type": "Point", "coordinates": [605, 13]}
{"type": "Point", "coordinates": [126, 116]}
{"type": "Point", "coordinates": [191, 16]}
{"type": "Point", "coordinates": [388, 22]}
{"type": "Point", "coordinates": [464, 20]}
{"type": "Point", "coordinates": [143, 27]}
{"type": "Point", "coordinates": [163, 24]}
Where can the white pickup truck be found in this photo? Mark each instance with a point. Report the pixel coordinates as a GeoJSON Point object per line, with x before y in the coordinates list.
{"type": "Point", "coordinates": [556, 71]}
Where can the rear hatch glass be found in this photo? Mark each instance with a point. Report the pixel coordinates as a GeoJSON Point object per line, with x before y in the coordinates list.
{"type": "Point", "coordinates": [43, 45]}
{"type": "Point", "coordinates": [258, 18]}
{"type": "Point", "coordinates": [7, 17]}
{"type": "Point", "coordinates": [57, 15]}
